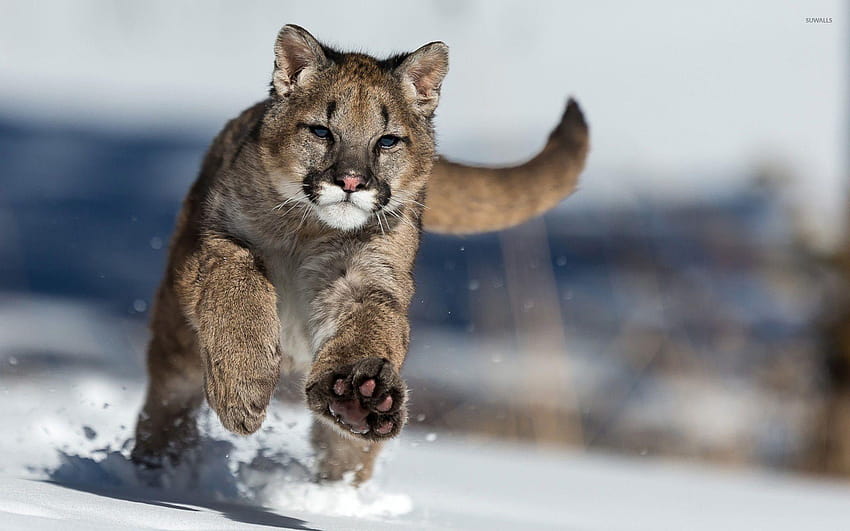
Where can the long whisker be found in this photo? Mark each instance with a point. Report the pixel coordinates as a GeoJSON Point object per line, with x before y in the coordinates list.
{"type": "Point", "coordinates": [298, 198]}
{"type": "Point", "coordinates": [401, 217]}
{"type": "Point", "coordinates": [402, 200]}
{"type": "Point", "coordinates": [378, 217]}
{"type": "Point", "coordinates": [307, 208]}
{"type": "Point", "coordinates": [304, 216]}
{"type": "Point", "coordinates": [281, 205]}
{"type": "Point", "coordinates": [386, 221]}
{"type": "Point", "coordinates": [396, 203]}
{"type": "Point", "coordinates": [296, 205]}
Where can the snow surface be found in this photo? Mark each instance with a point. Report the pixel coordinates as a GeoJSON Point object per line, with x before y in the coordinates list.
{"type": "Point", "coordinates": [66, 461]}
{"type": "Point", "coordinates": [68, 436]}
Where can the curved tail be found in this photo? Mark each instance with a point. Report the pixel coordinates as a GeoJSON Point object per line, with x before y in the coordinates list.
{"type": "Point", "coordinates": [467, 199]}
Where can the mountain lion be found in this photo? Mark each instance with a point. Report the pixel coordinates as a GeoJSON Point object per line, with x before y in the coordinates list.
{"type": "Point", "coordinates": [295, 248]}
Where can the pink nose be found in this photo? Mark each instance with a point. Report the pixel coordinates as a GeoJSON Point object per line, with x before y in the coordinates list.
{"type": "Point", "coordinates": [351, 183]}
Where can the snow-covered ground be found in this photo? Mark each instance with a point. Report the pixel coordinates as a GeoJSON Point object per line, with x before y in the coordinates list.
{"type": "Point", "coordinates": [65, 466]}
{"type": "Point", "coordinates": [70, 404]}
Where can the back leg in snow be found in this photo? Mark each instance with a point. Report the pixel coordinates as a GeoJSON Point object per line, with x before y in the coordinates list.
{"type": "Point", "coordinates": [167, 424]}
{"type": "Point", "coordinates": [337, 454]}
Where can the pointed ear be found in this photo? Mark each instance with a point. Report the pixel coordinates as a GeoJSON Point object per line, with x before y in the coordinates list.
{"type": "Point", "coordinates": [297, 57]}
{"type": "Point", "coordinates": [422, 73]}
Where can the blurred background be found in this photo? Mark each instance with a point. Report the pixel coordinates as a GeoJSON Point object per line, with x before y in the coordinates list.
{"type": "Point", "coordinates": [689, 301]}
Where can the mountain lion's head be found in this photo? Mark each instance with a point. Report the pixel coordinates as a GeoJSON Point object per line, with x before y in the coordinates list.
{"type": "Point", "coordinates": [347, 135]}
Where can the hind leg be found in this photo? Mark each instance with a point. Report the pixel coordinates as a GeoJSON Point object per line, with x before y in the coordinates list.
{"type": "Point", "coordinates": [337, 454]}
{"type": "Point", "coordinates": [167, 425]}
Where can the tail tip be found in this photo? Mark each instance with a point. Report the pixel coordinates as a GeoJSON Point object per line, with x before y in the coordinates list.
{"type": "Point", "coordinates": [573, 115]}
{"type": "Point", "coordinates": [573, 126]}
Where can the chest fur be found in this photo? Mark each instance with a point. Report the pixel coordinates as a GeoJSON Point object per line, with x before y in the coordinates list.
{"type": "Point", "coordinates": [293, 309]}
{"type": "Point", "coordinates": [299, 279]}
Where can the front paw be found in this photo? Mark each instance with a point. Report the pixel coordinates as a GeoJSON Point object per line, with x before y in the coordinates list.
{"type": "Point", "coordinates": [367, 398]}
{"type": "Point", "coordinates": [240, 403]}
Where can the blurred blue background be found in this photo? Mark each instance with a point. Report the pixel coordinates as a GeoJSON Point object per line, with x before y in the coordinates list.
{"type": "Point", "coordinates": [670, 307]}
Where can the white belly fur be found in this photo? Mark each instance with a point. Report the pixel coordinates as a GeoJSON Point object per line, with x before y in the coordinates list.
{"type": "Point", "coordinates": [294, 341]}
{"type": "Point", "coordinates": [292, 312]}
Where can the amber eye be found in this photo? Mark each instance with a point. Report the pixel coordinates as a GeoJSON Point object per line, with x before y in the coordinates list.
{"type": "Point", "coordinates": [388, 141]}
{"type": "Point", "coordinates": [321, 132]}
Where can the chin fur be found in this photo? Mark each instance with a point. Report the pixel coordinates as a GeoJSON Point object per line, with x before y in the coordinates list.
{"type": "Point", "coordinates": [343, 211]}
{"type": "Point", "coordinates": [343, 216]}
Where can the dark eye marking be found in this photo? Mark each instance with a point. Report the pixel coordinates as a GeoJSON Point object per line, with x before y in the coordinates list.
{"type": "Point", "coordinates": [388, 141]}
{"type": "Point", "coordinates": [321, 131]}
{"type": "Point", "coordinates": [385, 114]}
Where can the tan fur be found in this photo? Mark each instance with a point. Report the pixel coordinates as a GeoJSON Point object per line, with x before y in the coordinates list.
{"type": "Point", "coordinates": [278, 261]}
{"type": "Point", "coordinates": [498, 198]}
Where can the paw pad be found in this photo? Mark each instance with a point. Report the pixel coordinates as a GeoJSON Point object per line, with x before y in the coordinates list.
{"type": "Point", "coordinates": [366, 398]}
